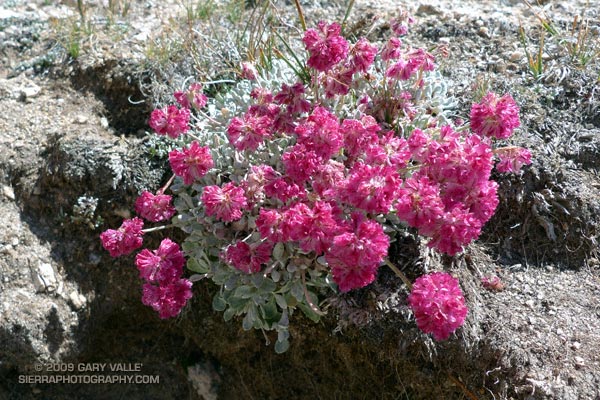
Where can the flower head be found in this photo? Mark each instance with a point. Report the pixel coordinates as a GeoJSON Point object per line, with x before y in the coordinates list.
{"type": "Point", "coordinates": [325, 46]}
{"type": "Point", "coordinates": [191, 163]}
{"type": "Point", "coordinates": [124, 240]}
{"type": "Point", "coordinates": [167, 299]}
{"type": "Point", "coordinates": [164, 264]}
{"type": "Point", "coordinates": [193, 97]}
{"type": "Point", "coordinates": [354, 257]}
{"type": "Point", "coordinates": [248, 258]}
{"type": "Point", "coordinates": [170, 121]}
{"type": "Point", "coordinates": [438, 304]}
{"type": "Point", "coordinates": [248, 133]}
{"type": "Point", "coordinates": [495, 117]}
{"type": "Point", "coordinates": [511, 159]}
{"type": "Point", "coordinates": [225, 203]}
{"type": "Point", "coordinates": [154, 208]}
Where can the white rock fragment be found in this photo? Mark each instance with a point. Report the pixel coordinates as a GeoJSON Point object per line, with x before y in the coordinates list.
{"type": "Point", "coordinates": [44, 279]}
{"type": "Point", "coordinates": [77, 299]}
{"type": "Point", "coordinates": [8, 192]}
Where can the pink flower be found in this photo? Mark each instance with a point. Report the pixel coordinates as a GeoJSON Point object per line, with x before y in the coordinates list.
{"type": "Point", "coordinates": [372, 189]}
{"type": "Point", "coordinates": [170, 121]}
{"type": "Point", "coordinates": [293, 97]}
{"type": "Point", "coordinates": [256, 180]}
{"type": "Point", "coordinates": [167, 299]}
{"type": "Point", "coordinates": [300, 163]}
{"type": "Point", "coordinates": [250, 132]}
{"type": "Point", "coordinates": [284, 190]}
{"type": "Point", "coordinates": [390, 151]}
{"type": "Point", "coordinates": [321, 227]}
{"type": "Point", "coordinates": [511, 159]}
{"type": "Point", "coordinates": [438, 304]}
{"type": "Point", "coordinates": [420, 205]}
{"type": "Point", "coordinates": [493, 283]}
{"type": "Point", "coordinates": [193, 97]}
{"type": "Point", "coordinates": [249, 71]}
{"type": "Point", "coordinates": [248, 258]}
{"type": "Point", "coordinates": [401, 70]}
{"type": "Point", "coordinates": [456, 229]}
{"type": "Point", "coordinates": [162, 265]}
{"type": "Point", "coordinates": [124, 240]}
{"type": "Point", "coordinates": [337, 82]}
{"type": "Point", "coordinates": [154, 208]}
{"type": "Point", "coordinates": [495, 117]}
{"type": "Point", "coordinates": [192, 163]}
{"type": "Point", "coordinates": [359, 135]}
{"type": "Point", "coordinates": [362, 55]}
{"type": "Point", "coordinates": [269, 223]}
{"type": "Point", "coordinates": [225, 203]}
{"type": "Point", "coordinates": [321, 133]}
{"type": "Point", "coordinates": [325, 46]}
{"type": "Point", "coordinates": [327, 179]}
{"type": "Point", "coordinates": [354, 257]}
{"type": "Point", "coordinates": [391, 51]}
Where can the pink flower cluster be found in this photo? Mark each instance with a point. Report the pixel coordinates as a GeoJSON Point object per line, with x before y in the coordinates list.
{"type": "Point", "coordinates": [438, 304]}
{"type": "Point", "coordinates": [451, 196]}
{"type": "Point", "coordinates": [154, 208]}
{"type": "Point", "coordinates": [248, 258]}
{"type": "Point", "coordinates": [325, 46]}
{"type": "Point", "coordinates": [192, 163]}
{"type": "Point", "coordinates": [495, 117]}
{"type": "Point", "coordinates": [124, 240]}
{"type": "Point", "coordinates": [171, 121]}
{"type": "Point", "coordinates": [192, 98]}
{"type": "Point", "coordinates": [512, 159]}
{"type": "Point", "coordinates": [164, 289]}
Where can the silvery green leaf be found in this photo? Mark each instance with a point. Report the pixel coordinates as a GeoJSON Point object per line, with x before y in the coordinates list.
{"type": "Point", "coordinates": [244, 292]}
{"type": "Point", "coordinates": [231, 283]}
{"type": "Point", "coordinates": [237, 303]}
{"type": "Point", "coordinates": [197, 277]}
{"type": "Point", "coordinates": [309, 312]}
{"type": "Point", "coordinates": [248, 320]}
{"type": "Point", "coordinates": [290, 300]}
{"type": "Point", "coordinates": [228, 314]}
{"type": "Point", "coordinates": [257, 280]}
{"type": "Point", "coordinates": [268, 286]}
{"type": "Point", "coordinates": [291, 268]}
{"type": "Point", "coordinates": [270, 313]}
{"type": "Point", "coordinates": [199, 266]}
{"type": "Point", "coordinates": [283, 334]}
{"type": "Point", "coordinates": [282, 347]}
{"type": "Point", "coordinates": [297, 290]}
{"type": "Point", "coordinates": [275, 275]}
{"type": "Point", "coordinates": [321, 260]}
{"type": "Point", "coordinates": [219, 303]}
{"type": "Point", "coordinates": [281, 301]}
{"type": "Point", "coordinates": [279, 252]}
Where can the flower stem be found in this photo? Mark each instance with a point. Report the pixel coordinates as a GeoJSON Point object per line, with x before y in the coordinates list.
{"type": "Point", "coordinates": [399, 273]}
{"type": "Point", "coordinates": [162, 189]}
{"type": "Point", "coordinates": [157, 228]}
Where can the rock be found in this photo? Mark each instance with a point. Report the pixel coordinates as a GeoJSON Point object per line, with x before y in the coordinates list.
{"type": "Point", "coordinates": [80, 119]}
{"type": "Point", "coordinates": [8, 192]}
{"type": "Point", "coordinates": [516, 56]}
{"type": "Point", "coordinates": [77, 300]}
{"type": "Point", "coordinates": [44, 278]}
{"type": "Point", "coordinates": [205, 380]}
{"type": "Point", "coordinates": [427, 9]}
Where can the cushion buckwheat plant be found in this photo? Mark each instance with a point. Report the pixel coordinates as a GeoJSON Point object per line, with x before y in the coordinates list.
{"type": "Point", "coordinates": [290, 187]}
